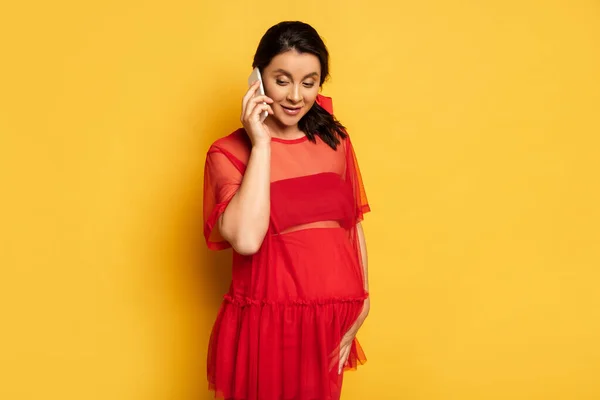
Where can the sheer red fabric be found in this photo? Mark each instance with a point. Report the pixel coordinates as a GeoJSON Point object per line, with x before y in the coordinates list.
{"type": "Point", "coordinates": [278, 330]}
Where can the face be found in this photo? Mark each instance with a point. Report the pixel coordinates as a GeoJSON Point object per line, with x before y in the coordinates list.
{"type": "Point", "coordinates": [292, 80]}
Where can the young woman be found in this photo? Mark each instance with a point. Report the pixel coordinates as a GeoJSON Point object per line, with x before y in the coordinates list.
{"type": "Point", "coordinates": [286, 194]}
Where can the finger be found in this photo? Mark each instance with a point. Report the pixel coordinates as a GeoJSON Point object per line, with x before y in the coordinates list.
{"type": "Point", "coordinates": [337, 353]}
{"type": "Point", "coordinates": [251, 104]}
{"type": "Point", "coordinates": [262, 98]}
{"type": "Point", "coordinates": [333, 357]}
{"type": "Point", "coordinates": [249, 94]}
{"type": "Point", "coordinates": [258, 110]}
{"type": "Point", "coordinates": [339, 358]}
{"type": "Point", "coordinates": [343, 357]}
{"type": "Point", "coordinates": [253, 111]}
{"type": "Point", "coordinates": [249, 108]}
{"type": "Point", "coordinates": [346, 356]}
{"type": "Point", "coordinates": [341, 364]}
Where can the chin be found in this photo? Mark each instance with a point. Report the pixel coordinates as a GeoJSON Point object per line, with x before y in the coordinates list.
{"type": "Point", "coordinates": [288, 120]}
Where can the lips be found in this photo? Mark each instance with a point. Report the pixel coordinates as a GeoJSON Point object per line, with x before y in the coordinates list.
{"type": "Point", "coordinates": [291, 110]}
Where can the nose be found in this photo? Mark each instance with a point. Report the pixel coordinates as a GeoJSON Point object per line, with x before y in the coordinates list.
{"type": "Point", "coordinates": [294, 95]}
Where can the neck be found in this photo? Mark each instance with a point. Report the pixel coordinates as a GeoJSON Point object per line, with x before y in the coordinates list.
{"type": "Point", "coordinates": [282, 131]}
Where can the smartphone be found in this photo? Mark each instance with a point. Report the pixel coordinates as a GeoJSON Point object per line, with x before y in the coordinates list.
{"type": "Point", "coordinates": [255, 76]}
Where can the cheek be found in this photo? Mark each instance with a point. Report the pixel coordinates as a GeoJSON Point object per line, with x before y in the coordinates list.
{"type": "Point", "coordinates": [274, 91]}
{"type": "Point", "coordinates": [311, 97]}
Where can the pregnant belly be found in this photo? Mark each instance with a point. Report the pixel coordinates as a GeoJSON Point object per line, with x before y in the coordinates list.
{"type": "Point", "coordinates": [316, 263]}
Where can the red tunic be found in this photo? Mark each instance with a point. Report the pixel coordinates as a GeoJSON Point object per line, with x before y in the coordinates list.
{"type": "Point", "coordinates": [278, 330]}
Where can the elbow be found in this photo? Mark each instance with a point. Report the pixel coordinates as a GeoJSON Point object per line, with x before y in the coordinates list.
{"type": "Point", "coordinates": [244, 241]}
{"type": "Point", "coordinates": [246, 246]}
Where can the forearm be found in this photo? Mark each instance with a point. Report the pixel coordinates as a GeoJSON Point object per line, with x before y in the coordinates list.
{"type": "Point", "coordinates": [365, 267]}
{"type": "Point", "coordinates": [363, 253]}
{"type": "Point", "coordinates": [246, 219]}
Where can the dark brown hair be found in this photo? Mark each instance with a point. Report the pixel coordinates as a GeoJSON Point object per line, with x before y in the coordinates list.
{"type": "Point", "coordinates": [299, 36]}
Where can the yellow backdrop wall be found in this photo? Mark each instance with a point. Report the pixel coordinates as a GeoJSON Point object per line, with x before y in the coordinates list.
{"type": "Point", "coordinates": [476, 126]}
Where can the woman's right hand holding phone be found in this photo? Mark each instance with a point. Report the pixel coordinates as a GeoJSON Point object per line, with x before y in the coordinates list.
{"type": "Point", "coordinates": [245, 221]}
{"type": "Point", "coordinates": [252, 107]}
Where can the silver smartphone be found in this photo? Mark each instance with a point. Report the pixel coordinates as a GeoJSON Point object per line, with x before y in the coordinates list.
{"type": "Point", "coordinates": [255, 76]}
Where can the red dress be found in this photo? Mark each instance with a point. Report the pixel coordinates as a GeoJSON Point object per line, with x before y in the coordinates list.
{"type": "Point", "coordinates": [278, 330]}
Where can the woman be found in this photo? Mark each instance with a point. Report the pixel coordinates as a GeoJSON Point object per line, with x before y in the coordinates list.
{"type": "Point", "coordinates": [287, 196]}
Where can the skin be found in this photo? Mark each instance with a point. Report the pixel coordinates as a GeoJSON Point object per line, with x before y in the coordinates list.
{"type": "Point", "coordinates": [348, 338]}
{"type": "Point", "coordinates": [291, 80]}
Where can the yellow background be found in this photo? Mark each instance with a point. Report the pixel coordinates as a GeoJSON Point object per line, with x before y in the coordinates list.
{"type": "Point", "coordinates": [476, 125]}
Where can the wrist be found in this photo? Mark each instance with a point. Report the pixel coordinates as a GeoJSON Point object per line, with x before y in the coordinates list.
{"type": "Point", "coordinates": [261, 145]}
{"type": "Point", "coordinates": [365, 310]}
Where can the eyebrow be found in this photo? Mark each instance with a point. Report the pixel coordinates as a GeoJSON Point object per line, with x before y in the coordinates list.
{"type": "Point", "coordinates": [283, 71]}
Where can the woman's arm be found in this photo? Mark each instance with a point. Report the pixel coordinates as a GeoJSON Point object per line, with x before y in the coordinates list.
{"type": "Point", "coordinates": [363, 253]}
{"type": "Point", "coordinates": [365, 265]}
{"type": "Point", "coordinates": [346, 343]}
{"type": "Point", "coordinates": [245, 221]}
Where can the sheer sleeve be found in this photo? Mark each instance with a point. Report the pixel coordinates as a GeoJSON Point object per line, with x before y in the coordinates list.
{"type": "Point", "coordinates": [353, 176]}
{"type": "Point", "coordinates": [222, 179]}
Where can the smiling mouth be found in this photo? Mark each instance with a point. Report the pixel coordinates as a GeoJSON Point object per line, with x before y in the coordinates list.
{"type": "Point", "coordinates": [291, 111]}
